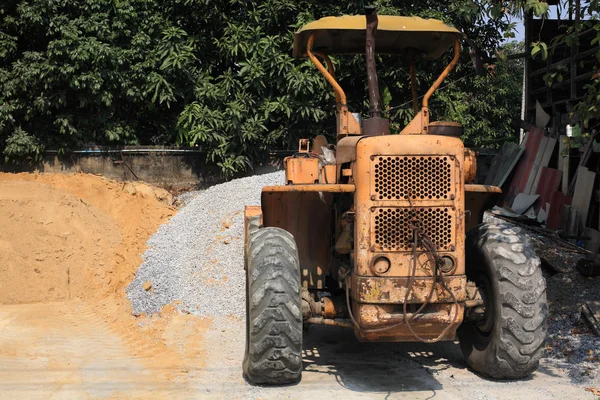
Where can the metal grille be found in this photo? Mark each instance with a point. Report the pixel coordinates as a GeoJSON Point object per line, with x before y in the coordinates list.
{"type": "Point", "coordinates": [393, 231]}
{"type": "Point", "coordinates": [423, 177]}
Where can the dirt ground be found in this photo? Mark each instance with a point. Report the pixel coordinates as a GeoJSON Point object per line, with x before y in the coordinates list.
{"type": "Point", "coordinates": [68, 247]}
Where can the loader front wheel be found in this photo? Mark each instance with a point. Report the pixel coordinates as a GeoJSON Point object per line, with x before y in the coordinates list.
{"type": "Point", "coordinates": [273, 308]}
{"type": "Point", "coordinates": [508, 340]}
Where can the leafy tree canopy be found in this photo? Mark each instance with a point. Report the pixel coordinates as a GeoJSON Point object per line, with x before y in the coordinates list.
{"type": "Point", "coordinates": [217, 74]}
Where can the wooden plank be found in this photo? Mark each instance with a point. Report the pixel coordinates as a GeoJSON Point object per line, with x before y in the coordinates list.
{"type": "Point", "coordinates": [523, 202]}
{"type": "Point", "coordinates": [533, 138]}
{"type": "Point", "coordinates": [591, 312]}
{"type": "Point", "coordinates": [564, 162]}
{"type": "Point", "coordinates": [494, 168]}
{"type": "Point", "coordinates": [529, 188]}
{"type": "Point", "coordinates": [533, 145]}
{"type": "Point", "coordinates": [583, 192]}
{"type": "Point", "coordinates": [592, 244]}
{"type": "Point", "coordinates": [507, 167]}
{"type": "Point", "coordinates": [503, 164]}
{"type": "Point", "coordinates": [562, 148]}
{"type": "Point", "coordinates": [564, 221]}
{"type": "Point", "coordinates": [545, 160]}
{"type": "Point", "coordinates": [542, 216]}
{"type": "Point", "coordinates": [570, 223]}
{"type": "Point", "coordinates": [557, 203]}
{"type": "Point", "coordinates": [574, 228]}
{"type": "Point", "coordinates": [548, 184]}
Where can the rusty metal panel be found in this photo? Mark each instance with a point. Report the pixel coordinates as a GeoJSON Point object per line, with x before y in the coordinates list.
{"type": "Point", "coordinates": [470, 165]}
{"type": "Point", "coordinates": [325, 188]}
{"type": "Point", "coordinates": [392, 290]}
{"type": "Point", "coordinates": [303, 214]}
{"type": "Point", "coordinates": [423, 177]}
{"type": "Point", "coordinates": [428, 325]}
{"type": "Point", "coordinates": [346, 149]}
{"type": "Point", "coordinates": [301, 170]}
{"type": "Point", "coordinates": [479, 198]}
{"type": "Point", "coordinates": [391, 230]}
{"type": "Point", "coordinates": [249, 212]}
{"type": "Point", "coordinates": [329, 174]}
{"type": "Point", "coordinates": [445, 152]}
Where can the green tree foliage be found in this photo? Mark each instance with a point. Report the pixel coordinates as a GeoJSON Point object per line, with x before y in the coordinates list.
{"type": "Point", "coordinates": [485, 105]}
{"type": "Point", "coordinates": [213, 74]}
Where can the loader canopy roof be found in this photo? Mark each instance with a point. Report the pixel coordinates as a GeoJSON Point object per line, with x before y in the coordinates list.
{"type": "Point", "coordinates": [395, 35]}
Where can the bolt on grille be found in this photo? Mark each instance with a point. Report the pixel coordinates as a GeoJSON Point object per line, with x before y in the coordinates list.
{"type": "Point", "coordinates": [393, 230]}
{"type": "Point", "coordinates": [423, 177]}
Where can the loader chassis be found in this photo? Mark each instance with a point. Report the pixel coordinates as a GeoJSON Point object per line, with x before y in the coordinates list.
{"type": "Point", "coordinates": [369, 233]}
{"type": "Point", "coordinates": [384, 169]}
{"type": "Point", "coordinates": [399, 178]}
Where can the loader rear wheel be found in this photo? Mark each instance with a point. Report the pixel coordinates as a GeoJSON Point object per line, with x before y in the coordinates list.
{"type": "Point", "coordinates": [273, 308]}
{"type": "Point", "coordinates": [508, 341]}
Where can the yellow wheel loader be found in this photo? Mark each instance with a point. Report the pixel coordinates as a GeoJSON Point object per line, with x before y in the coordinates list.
{"type": "Point", "coordinates": [383, 234]}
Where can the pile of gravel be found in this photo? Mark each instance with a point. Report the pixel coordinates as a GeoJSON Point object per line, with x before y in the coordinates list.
{"type": "Point", "coordinates": [196, 260]}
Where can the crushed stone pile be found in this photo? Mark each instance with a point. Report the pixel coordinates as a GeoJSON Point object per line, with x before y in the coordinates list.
{"type": "Point", "coordinates": [196, 260]}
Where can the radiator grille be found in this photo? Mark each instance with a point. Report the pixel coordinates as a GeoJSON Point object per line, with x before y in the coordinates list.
{"type": "Point", "coordinates": [423, 177]}
{"type": "Point", "coordinates": [393, 231]}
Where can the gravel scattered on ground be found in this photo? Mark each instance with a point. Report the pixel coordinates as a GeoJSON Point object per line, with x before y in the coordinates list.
{"type": "Point", "coordinates": [571, 343]}
{"type": "Point", "coordinates": [196, 260]}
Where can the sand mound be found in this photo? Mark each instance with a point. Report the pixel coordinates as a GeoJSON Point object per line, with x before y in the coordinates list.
{"type": "Point", "coordinates": [77, 236]}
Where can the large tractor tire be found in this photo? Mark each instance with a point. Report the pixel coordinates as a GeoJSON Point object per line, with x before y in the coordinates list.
{"type": "Point", "coordinates": [273, 308]}
{"type": "Point", "coordinates": [508, 342]}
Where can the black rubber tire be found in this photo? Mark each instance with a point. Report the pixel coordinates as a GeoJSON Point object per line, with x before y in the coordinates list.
{"type": "Point", "coordinates": [273, 308]}
{"type": "Point", "coordinates": [509, 342]}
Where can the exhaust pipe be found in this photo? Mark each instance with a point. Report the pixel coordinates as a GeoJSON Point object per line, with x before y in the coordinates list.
{"type": "Point", "coordinates": [374, 125]}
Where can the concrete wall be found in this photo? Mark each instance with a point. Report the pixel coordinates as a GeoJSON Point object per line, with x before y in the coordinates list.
{"type": "Point", "coordinates": [159, 166]}
{"type": "Point", "coordinates": [164, 167]}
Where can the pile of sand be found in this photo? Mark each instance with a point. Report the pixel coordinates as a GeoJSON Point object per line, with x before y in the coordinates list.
{"type": "Point", "coordinates": [69, 245]}
{"type": "Point", "coordinates": [78, 236]}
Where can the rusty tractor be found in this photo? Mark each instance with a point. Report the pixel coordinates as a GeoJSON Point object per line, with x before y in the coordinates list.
{"type": "Point", "coordinates": [383, 234]}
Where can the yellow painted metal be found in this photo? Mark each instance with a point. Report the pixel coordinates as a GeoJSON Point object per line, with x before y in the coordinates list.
{"type": "Point", "coordinates": [331, 71]}
{"type": "Point", "coordinates": [339, 92]}
{"type": "Point", "coordinates": [395, 35]}
{"type": "Point", "coordinates": [305, 214]}
{"type": "Point", "coordinates": [368, 203]}
{"type": "Point", "coordinates": [346, 123]}
{"type": "Point", "coordinates": [392, 290]}
{"type": "Point", "coordinates": [333, 188]}
{"type": "Point", "coordinates": [482, 188]}
{"type": "Point", "coordinates": [444, 74]}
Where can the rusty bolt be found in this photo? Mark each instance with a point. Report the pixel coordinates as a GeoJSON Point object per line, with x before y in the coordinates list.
{"type": "Point", "coordinates": [372, 158]}
{"type": "Point", "coordinates": [451, 197]}
{"type": "Point", "coordinates": [452, 158]}
{"type": "Point", "coordinates": [372, 248]}
{"type": "Point", "coordinates": [452, 248]}
{"type": "Point", "coordinates": [372, 209]}
{"type": "Point", "coordinates": [373, 197]}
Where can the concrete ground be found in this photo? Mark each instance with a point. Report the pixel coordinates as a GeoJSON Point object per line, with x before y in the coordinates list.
{"type": "Point", "coordinates": [69, 350]}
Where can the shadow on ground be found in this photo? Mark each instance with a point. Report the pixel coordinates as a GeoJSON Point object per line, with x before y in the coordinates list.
{"type": "Point", "coordinates": [377, 367]}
